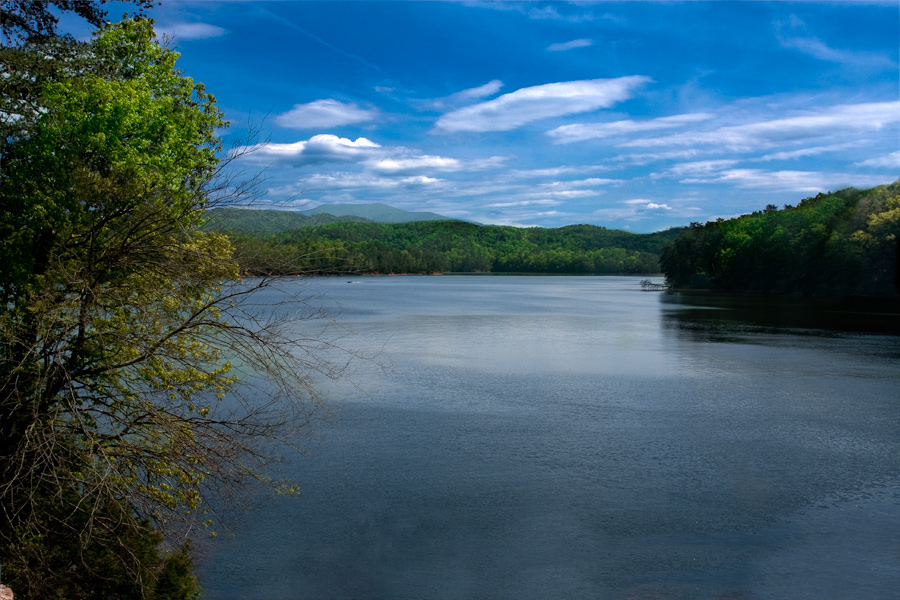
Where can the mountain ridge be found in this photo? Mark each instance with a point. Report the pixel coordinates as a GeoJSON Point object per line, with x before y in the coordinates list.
{"type": "Point", "coordinates": [265, 221]}
{"type": "Point", "coordinates": [375, 211]}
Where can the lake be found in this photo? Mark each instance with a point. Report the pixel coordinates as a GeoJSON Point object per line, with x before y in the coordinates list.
{"type": "Point", "coordinates": [578, 437]}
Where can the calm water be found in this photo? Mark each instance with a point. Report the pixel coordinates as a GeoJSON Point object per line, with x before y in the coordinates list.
{"type": "Point", "coordinates": [577, 437]}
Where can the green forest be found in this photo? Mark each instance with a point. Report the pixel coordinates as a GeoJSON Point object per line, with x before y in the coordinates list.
{"type": "Point", "coordinates": [837, 244]}
{"type": "Point", "coordinates": [440, 247]}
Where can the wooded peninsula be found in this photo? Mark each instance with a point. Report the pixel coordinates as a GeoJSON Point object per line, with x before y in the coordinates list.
{"type": "Point", "coordinates": [833, 245]}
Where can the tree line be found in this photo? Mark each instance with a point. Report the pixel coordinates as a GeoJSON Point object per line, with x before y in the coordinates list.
{"type": "Point", "coordinates": [449, 247]}
{"type": "Point", "coordinates": [836, 244]}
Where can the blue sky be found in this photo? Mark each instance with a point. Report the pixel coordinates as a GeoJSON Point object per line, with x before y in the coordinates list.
{"type": "Point", "coordinates": [632, 115]}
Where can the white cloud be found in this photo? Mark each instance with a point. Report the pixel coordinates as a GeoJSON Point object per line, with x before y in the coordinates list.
{"type": "Point", "coordinates": [567, 190]}
{"type": "Point", "coordinates": [322, 148]}
{"type": "Point", "coordinates": [555, 171]}
{"type": "Point", "coordinates": [725, 172]}
{"type": "Point", "coordinates": [803, 152]}
{"type": "Point", "coordinates": [794, 34]}
{"type": "Point", "coordinates": [396, 161]}
{"type": "Point", "coordinates": [818, 49]}
{"type": "Point", "coordinates": [568, 194]}
{"type": "Point", "coordinates": [417, 163]}
{"type": "Point", "coordinates": [891, 161]}
{"type": "Point", "coordinates": [476, 93]}
{"type": "Point", "coordinates": [544, 202]}
{"type": "Point", "coordinates": [592, 181]}
{"type": "Point", "coordinates": [646, 158]}
{"type": "Point", "coordinates": [815, 47]}
{"type": "Point", "coordinates": [403, 162]}
{"type": "Point", "coordinates": [525, 105]}
{"type": "Point", "coordinates": [698, 168]}
{"type": "Point", "coordinates": [799, 181]}
{"type": "Point", "coordinates": [422, 180]}
{"type": "Point", "coordinates": [324, 113]}
{"type": "Point", "coordinates": [532, 11]}
{"type": "Point", "coordinates": [190, 31]}
{"type": "Point", "coordinates": [582, 43]}
{"type": "Point", "coordinates": [550, 12]}
{"type": "Point", "coordinates": [465, 96]}
{"type": "Point", "coordinates": [485, 164]}
{"type": "Point", "coordinates": [545, 12]}
{"type": "Point", "coordinates": [823, 124]}
{"type": "Point", "coordinates": [648, 204]}
{"type": "Point", "coordinates": [338, 181]}
{"type": "Point", "coordinates": [787, 181]}
{"type": "Point", "coordinates": [638, 209]}
{"type": "Point", "coordinates": [577, 132]}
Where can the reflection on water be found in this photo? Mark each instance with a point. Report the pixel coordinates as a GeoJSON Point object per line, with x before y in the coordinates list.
{"type": "Point", "coordinates": [576, 437]}
{"type": "Point", "coordinates": [715, 315]}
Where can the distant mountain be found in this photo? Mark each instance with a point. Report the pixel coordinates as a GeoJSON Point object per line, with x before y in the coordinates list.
{"type": "Point", "coordinates": [381, 213]}
{"type": "Point", "coordinates": [248, 221]}
{"type": "Point", "coordinates": [251, 221]}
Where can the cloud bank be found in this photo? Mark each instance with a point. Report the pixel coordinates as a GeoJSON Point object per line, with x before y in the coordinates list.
{"type": "Point", "coordinates": [417, 163]}
{"type": "Point", "coordinates": [322, 114]}
{"type": "Point", "coordinates": [319, 149]}
{"type": "Point", "coordinates": [529, 104]}
{"type": "Point", "coordinates": [822, 124]}
{"type": "Point", "coordinates": [578, 132]}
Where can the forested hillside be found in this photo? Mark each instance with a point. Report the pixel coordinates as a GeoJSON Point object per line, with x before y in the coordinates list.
{"type": "Point", "coordinates": [375, 211]}
{"type": "Point", "coordinates": [451, 246]}
{"type": "Point", "coordinates": [837, 244]}
{"type": "Point", "coordinates": [243, 221]}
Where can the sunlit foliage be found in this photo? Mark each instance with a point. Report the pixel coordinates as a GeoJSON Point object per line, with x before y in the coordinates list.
{"type": "Point", "coordinates": [121, 324]}
{"type": "Point", "coordinates": [837, 244]}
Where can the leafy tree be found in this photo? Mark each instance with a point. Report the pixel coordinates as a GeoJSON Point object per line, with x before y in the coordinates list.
{"type": "Point", "coordinates": [838, 244]}
{"type": "Point", "coordinates": [34, 20]}
{"type": "Point", "coordinates": [879, 241]}
{"type": "Point", "coordinates": [123, 327]}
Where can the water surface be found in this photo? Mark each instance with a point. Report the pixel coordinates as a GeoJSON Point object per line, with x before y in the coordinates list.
{"type": "Point", "coordinates": [577, 437]}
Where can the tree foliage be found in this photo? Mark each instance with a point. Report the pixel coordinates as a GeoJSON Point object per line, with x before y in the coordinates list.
{"type": "Point", "coordinates": [450, 246]}
{"type": "Point", "coordinates": [122, 328]}
{"type": "Point", "coordinates": [33, 52]}
{"type": "Point", "coordinates": [35, 21]}
{"type": "Point", "coordinates": [837, 244]}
